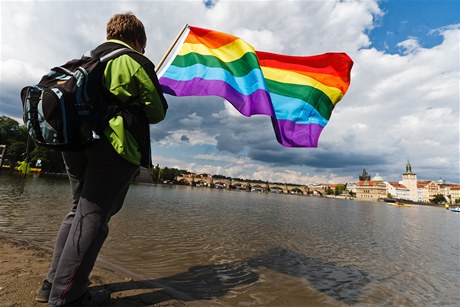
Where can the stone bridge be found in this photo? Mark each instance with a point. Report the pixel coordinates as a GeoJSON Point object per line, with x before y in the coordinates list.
{"type": "Point", "coordinates": [252, 186]}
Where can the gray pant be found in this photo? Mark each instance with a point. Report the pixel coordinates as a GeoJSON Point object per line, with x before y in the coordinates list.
{"type": "Point", "coordinates": [99, 179]}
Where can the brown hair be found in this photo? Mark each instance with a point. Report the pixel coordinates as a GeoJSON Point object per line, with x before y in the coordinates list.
{"type": "Point", "coordinates": [127, 28]}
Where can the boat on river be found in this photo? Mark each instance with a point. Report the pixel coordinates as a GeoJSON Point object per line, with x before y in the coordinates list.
{"type": "Point", "coordinates": [455, 209]}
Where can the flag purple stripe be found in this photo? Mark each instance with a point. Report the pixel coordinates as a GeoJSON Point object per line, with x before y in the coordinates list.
{"type": "Point", "coordinates": [258, 102]}
{"type": "Point", "coordinates": [291, 134]}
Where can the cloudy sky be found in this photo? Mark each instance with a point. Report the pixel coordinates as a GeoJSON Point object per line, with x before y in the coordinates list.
{"type": "Point", "coordinates": [403, 101]}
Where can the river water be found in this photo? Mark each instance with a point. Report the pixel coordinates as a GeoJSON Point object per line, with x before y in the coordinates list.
{"type": "Point", "coordinates": [214, 247]}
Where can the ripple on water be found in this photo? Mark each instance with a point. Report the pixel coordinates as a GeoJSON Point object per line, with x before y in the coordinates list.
{"type": "Point", "coordinates": [221, 248]}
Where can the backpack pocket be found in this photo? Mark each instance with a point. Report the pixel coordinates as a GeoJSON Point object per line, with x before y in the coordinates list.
{"type": "Point", "coordinates": [44, 115]}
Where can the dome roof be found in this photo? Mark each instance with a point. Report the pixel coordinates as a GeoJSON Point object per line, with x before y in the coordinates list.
{"type": "Point", "coordinates": [377, 177]}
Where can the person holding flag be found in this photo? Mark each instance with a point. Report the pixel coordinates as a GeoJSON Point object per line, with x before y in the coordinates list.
{"type": "Point", "coordinates": [100, 174]}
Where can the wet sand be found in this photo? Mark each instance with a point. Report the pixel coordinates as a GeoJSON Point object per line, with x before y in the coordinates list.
{"type": "Point", "coordinates": [23, 266]}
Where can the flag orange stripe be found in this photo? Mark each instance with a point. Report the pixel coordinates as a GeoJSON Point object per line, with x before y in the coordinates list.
{"type": "Point", "coordinates": [341, 83]}
{"type": "Point", "coordinates": [209, 38]}
{"type": "Point", "coordinates": [337, 64]}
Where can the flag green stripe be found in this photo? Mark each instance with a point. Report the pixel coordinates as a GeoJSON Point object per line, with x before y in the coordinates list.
{"type": "Point", "coordinates": [310, 95]}
{"type": "Point", "coordinates": [238, 68]}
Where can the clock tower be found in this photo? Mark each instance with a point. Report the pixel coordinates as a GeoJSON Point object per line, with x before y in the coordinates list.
{"type": "Point", "coordinates": [409, 180]}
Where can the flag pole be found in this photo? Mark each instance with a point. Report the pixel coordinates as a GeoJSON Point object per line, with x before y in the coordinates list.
{"type": "Point", "coordinates": [171, 48]}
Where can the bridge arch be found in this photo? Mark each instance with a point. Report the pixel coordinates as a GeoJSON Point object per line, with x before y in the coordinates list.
{"type": "Point", "coordinates": [296, 191]}
{"type": "Point", "coordinates": [221, 184]}
{"type": "Point", "coordinates": [184, 181]}
{"type": "Point", "coordinates": [258, 188]}
{"type": "Point", "coordinates": [317, 192]}
{"type": "Point", "coordinates": [276, 189]}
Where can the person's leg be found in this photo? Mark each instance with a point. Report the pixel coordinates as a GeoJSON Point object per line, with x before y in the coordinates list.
{"type": "Point", "coordinates": [106, 183]}
{"type": "Point", "coordinates": [75, 163]}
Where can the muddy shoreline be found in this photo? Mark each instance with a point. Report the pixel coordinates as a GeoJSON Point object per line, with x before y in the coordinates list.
{"type": "Point", "coordinates": [23, 266]}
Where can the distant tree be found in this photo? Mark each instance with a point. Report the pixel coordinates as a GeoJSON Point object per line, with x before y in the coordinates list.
{"type": "Point", "coordinates": [162, 174]}
{"type": "Point", "coordinates": [15, 152]}
{"type": "Point", "coordinates": [10, 131]}
{"type": "Point", "coordinates": [329, 191]}
{"type": "Point", "coordinates": [438, 199]}
{"type": "Point", "coordinates": [14, 136]}
{"type": "Point", "coordinates": [169, 174]}
{"type": "Point", "coordinates": [339, 188]}
{"type": "Point", "coordinates": [51, 160]}
{"type": "Point", "coordinates": [220, 177]}
{"type": "Point", "coordinates": [156, 173]}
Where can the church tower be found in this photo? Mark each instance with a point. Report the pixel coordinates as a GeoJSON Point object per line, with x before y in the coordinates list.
{"type": "Point", "coordinates": [365, 176]}
{"type": "Point", "coordinates": [409, 180]}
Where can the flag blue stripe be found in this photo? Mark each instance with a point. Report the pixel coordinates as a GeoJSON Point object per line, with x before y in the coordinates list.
{"type": "Point", "coordinates": [296, 110]}
{"type": "Point", "coordinates": [246, 85]}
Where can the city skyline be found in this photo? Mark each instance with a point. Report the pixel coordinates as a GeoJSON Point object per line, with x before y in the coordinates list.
{"type": "Point", "coordinates": [402, 103]}
{"type": "Point", "coordinates": [356, 178]}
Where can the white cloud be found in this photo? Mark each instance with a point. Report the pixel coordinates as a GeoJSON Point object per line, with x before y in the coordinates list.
{"type": "Point", "coordinates": [262, 40]}
{"type": "Point", "coordinates": [192, 121]}
{"type": "Point", "coordinates": [243, 167]}
{"type": "Point", "coordinates": [190, 137]}
{"type": "Point", "coordinates": [15, 73]}
{"type": "Point", "coordinates": [24, 18]}
{"type": "Point", "coordinates": [229, 111]}
{"type": "Point", "coordinates": [222, 158]}
{"type": "Point", "coordinates": [410, 45]}
{"type": "Point", "coordinates": [399, 107]}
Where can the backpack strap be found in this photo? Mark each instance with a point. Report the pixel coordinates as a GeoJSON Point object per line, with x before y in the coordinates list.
{"type": "Point", "coordinates": [105, 57]}
{"type": "Point", "coordinates": [115, 53]}
{"type": "Point", "coordinates": [110, 50]}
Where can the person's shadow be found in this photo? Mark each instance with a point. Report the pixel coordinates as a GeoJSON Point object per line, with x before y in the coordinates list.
{"type": "Point", "coordinates": [207, 282]}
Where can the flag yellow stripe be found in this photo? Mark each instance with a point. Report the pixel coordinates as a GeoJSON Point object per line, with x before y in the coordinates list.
{"type": "Point", "coordinates": [327, 79]}
{"type": "Point", "coordinates": [226, 53]}
{"type": "Point", "coordinates": [290, 77]}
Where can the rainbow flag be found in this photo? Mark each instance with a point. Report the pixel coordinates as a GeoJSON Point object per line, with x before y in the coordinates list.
{"type": "Point", "coordinates": [304, 91]}
{"type": "Point", "coordinates": [298, 93]}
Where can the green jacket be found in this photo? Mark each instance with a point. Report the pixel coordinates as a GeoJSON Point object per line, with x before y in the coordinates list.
{"type": "Point", "coordinates": [133, 81]}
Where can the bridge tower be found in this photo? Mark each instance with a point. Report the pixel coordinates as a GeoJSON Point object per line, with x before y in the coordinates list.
{"type": "Point", "coordinates": [409, 180]}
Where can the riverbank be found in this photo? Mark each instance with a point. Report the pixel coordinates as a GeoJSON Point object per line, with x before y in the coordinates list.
{"type": "Point", "coordinates": [23, 266]}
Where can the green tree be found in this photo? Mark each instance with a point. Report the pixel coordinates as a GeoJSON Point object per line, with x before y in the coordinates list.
{"type": "Point", "coordinates": [9, 130]}
{"type": "Point", "coordinates": [156, 172]}
{"type": "Point", "coordinates": [169, 174]}
{"type": "Point", "coordinates": [161, 174]}
{"type": "Point", "coordinates": [339, 189]}
{"type": "Point", "coordinates": [51, 160]}
{"type": "Point", "coordinates": [438, 199]}
{"type": "Point", "coordinates": [14, 136]}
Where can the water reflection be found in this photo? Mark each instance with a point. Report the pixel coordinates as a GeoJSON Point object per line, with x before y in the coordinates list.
{"type": "Point", "coordinates": [342, 283]}
{"type": "Point", "coordinates": [221, 248]}
{"type": "Point", "coordinates": [206, 282]}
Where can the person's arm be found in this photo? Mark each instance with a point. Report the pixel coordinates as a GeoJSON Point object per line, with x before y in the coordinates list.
{"type": "Point", "coordinates": [126, 78]}
{"type": "Point", "coordinates": [150, 94]}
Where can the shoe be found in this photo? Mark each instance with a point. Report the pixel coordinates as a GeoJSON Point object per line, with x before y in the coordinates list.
{"type": "Point", "coordinates": [43, 293]}
{"type": "Point", "coordinates": [90, 299]}
{"type": "Point", "coordinates": [94, 299]}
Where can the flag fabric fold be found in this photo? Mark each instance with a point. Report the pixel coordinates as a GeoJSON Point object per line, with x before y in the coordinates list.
{"type": "Point", "coordinates": [211, 63]}
{"type": "Point", "coordinates": [298, 93]}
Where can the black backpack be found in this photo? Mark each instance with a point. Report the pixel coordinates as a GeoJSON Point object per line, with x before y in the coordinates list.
{"type": "Point", "coordinates": [70, 107]}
